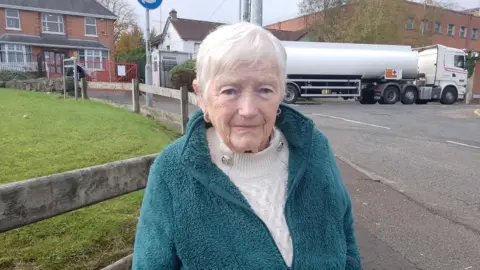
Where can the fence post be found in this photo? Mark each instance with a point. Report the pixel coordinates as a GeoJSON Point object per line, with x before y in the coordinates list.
{"type": "Point", "coordinates": [136, 96]}
{"type": "Point", "coordinates": [184, 107]}
{"type": "Point", "coordinates": [84, 88]}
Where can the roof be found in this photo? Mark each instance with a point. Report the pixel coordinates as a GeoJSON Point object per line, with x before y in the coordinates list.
{"type": "Point", "coordinates": [197, 30]}
{"type": "Point", "coordinates": [66, 7]}
{"type": "Point", "coordinates": [194, 29]}
{"type": "Point", "coordinates": [53, 41]}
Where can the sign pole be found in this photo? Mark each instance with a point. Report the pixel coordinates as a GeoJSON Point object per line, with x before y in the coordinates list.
{"type": "Point", "coordinates": [148, 66]}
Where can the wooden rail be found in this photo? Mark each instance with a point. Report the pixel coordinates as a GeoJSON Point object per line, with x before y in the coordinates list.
{"type": "Point", "coordinates": [183, 95]}
{"type": "Point", "coordinates": [33, 200]}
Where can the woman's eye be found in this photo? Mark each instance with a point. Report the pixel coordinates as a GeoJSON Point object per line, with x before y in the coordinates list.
{"type": "Point", "coordinates": [228, 92]}
{"type": "Point", "coordinates": [266, 91]}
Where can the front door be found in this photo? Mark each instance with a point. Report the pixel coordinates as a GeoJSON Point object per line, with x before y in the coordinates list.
{"type": "Point", "coordinates": [54, 61]}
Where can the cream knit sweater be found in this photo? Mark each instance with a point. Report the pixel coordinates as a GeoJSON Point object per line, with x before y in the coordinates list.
{"type": "Point", "coordinates": [262, 178]}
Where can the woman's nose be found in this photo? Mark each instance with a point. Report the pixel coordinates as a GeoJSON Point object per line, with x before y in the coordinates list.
{"type": "Point", "coordinates": [247, 106]}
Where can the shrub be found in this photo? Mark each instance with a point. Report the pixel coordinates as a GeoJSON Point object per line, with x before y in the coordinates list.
{"type": "Point", "coordinates": [8, 75]}
{"type": "Point", "coordinates": [183, 75]}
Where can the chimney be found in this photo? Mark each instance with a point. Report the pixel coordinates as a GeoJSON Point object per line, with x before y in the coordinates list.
{"type": "Point", "coordinates": [173, 14]}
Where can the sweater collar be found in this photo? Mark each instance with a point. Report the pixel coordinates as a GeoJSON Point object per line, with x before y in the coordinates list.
{"type": "Point", "coordinates": [250, 165]}
{"type": "Point", "coordinates": [296, 128]}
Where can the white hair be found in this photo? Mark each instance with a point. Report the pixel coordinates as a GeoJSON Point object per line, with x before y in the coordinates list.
{"type": "Point", "coordinates": [228, 44]}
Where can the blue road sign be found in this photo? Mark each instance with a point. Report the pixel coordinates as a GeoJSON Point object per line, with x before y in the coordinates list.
{"type": "Point", "coordinates": [150, 4]}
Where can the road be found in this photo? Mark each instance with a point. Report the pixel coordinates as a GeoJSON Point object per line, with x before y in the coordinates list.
{"type": "Point", "coordinates": [424, 199]}
{"type": "Point", "coordinates": [431, 155]}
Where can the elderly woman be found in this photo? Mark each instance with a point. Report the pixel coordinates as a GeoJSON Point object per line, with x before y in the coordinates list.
{"type": "Point", "coordinates": [253, 184]}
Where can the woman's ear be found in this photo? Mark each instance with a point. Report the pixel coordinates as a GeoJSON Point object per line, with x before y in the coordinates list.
{"type": "Point", "coordinates": [200, 100]}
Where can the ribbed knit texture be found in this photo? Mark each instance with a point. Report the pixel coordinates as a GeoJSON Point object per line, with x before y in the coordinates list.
{"type": "Point", "coordinates": [262, 179]}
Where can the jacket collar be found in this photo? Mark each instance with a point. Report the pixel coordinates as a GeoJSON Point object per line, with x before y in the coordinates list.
{"type": "Point", "coordinates": [296, 128]}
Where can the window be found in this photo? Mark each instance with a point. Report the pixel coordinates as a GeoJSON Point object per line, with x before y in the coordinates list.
{"type": "Point", "coordinates": [12, 16]}
{"type": "Point", "coordinates": [409, 24]}
{"type": "Point", "coordinates": [459, 61]}
{"type": "Point", "coordinates": [52, 23]}
{"type": "Point", "coordinates": [474, 33]}
{"type": "Point", "coordinates": [15, 53]}
{"type": "Point", "coordinates": [196, 47]}
{"type": "Point", "coordinates": [463, 32]}
{"type": "Point", "coordinates": [90, 26]}
{"type": "Point", "coordinates": [94, 59]}
{"type": "Point", "coordinates": [451, 30]}
{"type": "Point", "coordinates": [438, 28]}
{"type": "Point", "coordinates": [168, 47]}
{"type": "Point", "coordinates": [423, 26]}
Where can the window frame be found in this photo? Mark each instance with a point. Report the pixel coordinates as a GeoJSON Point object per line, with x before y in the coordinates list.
{"type": "Point", "coordinates": [91, 25]}
{"type": "Point", "coordinates": [453, 30]}
{"type": "Point", "coordinates": [5, 52]}
{"type": "Point", "coordinates": [10, 17]}
{"type": "Point", "coordinates": [92, 58]}
{"type": "Point", "coordinates": [412, 24]}
{"type": "Point", "coordinates": [474, 34]}
{"type": "Point", "coordinates": [60, 22]}
{"type": "Point", "coordinates": [439, 28]}
{"type": "Point", "coordinates": [465, 30]}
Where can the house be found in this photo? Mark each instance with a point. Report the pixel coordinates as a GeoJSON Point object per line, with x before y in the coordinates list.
{"type": "Point", "coordinates": [38, 34]}
{"type": "Point", "coordinates": [181, 38]}
{"type": "Point", "coordinates": [458, 29]}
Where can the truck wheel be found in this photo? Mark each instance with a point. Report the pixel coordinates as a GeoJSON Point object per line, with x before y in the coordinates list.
{"type": "Point", "coordinates": [409, 96]}
{"type": "Point", "coordinates": [449, 95]}
{"type": "Point", "coordinates": [291, 94]}
{"type": "Point", "coordinates": [391, 95]}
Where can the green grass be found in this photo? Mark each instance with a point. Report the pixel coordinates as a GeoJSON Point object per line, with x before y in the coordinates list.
{"type": "Point", "coordinates": [59, 135]}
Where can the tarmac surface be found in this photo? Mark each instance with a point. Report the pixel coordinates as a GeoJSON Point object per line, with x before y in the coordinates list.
{"type": "Point", "coordinates": [415, 180]}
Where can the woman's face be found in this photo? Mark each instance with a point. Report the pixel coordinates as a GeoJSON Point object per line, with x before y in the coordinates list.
{"type": "Point", "coordinates": [242, 105]}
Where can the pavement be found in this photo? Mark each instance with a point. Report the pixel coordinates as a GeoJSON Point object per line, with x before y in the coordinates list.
{"type": "Point", "coordinates": [413, 172]}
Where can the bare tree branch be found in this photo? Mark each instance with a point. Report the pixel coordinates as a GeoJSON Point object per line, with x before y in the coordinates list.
{"type": "Point", "coordinates": [125, 13]}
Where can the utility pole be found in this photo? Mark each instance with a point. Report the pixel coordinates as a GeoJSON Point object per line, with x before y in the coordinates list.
{"type": "Point", "coordinates": [240, 15]}
{"type": "Point", "coordinates": [148, 65]}
{"type": "Point", "coordinates": [246, 10]}
{"type": "Point", "coordinates": [257, 12]}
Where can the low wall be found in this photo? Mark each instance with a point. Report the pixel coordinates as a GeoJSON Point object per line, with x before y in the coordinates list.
{"type": "Point", "coordinates": [40, 85]}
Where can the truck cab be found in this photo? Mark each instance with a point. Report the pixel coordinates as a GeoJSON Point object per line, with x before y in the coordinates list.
{"type": "Point", "coordinates": [442, 74]}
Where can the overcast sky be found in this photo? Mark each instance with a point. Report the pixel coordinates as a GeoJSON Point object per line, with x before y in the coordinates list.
{"type": "Point", "coordinates": [227, 10]}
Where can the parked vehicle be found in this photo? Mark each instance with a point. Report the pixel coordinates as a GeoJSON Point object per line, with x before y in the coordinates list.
{"type": "Point", "coordinates": [375, 73]}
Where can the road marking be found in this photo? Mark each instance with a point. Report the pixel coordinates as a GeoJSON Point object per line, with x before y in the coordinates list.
{"type": "Point", "coordinates": [348, 120]}
{"type": "Point", "coordinates": [462, 144]}
{"type": "Point", "coordinates": [477, 112]}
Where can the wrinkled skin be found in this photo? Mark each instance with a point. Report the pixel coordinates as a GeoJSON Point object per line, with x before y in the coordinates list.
{"type": "Point", "coordinates": [242, 104]}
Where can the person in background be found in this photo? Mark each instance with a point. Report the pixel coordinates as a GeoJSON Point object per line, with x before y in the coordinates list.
{"type": "Point", "coordinates": [252, 184]}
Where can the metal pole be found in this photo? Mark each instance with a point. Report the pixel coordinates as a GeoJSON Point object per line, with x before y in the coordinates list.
{"type": "Point", "coordinates": [75, 80]}
{"type": "Point", "coordinates": [246, 10]}
{"type": "Point", "coordinates": [148, 66]}
{"type": "Point", "coordinates": [256, 13]}
{"type": "Point", "coordinates": [240, 2]}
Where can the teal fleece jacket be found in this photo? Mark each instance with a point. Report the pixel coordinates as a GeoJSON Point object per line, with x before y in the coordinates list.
{"type": "Point", "coordinates": [194, 217]}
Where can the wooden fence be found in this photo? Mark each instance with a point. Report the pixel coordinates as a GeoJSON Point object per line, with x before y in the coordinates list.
{"type": "Point", "coordinates": [183, 95]}
{"type": "Point", "coordinates": [32, 200]}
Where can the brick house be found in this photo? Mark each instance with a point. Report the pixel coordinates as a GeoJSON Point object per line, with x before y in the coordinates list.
{"type": "Point", "coordinates": [38, 34]}
{"type": "Point", "coordinates": [457, 29]}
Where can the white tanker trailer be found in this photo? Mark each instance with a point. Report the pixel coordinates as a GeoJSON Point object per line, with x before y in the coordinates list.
{"type": "Point", "coordinates": [371, 73]}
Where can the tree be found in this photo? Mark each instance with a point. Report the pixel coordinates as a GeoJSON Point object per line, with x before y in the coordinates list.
{"type": "Point", "coordinates": [125, 13]}
{"type": "Point", "coordinates": [324, 17]}
{"type": "Point", "coordinates": [371, 21]}
{"type": "Point", "coordinates": [360, 21]}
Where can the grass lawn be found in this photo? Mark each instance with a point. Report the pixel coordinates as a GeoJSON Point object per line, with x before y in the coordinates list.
{"type": "Point", "coordinates": [59, 135]}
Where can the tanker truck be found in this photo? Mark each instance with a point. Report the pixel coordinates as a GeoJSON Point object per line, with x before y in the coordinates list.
{"type": "Point", "coordinates": [375, 73]}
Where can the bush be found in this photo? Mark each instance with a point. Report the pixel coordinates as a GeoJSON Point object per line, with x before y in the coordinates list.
{"type": "Point", "coordinates": [8, 75]}
{"type": "Point", "coordinates": [183, 75]}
